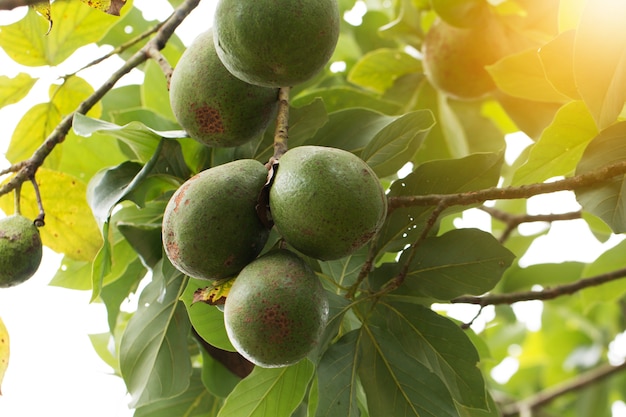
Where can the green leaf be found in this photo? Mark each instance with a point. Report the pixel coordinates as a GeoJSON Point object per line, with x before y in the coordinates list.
{"type": "Point", "coordinates": [600, 59]}
{"type": "Point", "coordinates": [216, 377]}
{"type": "Point", "coordinates": [206, 319]}
{"type": "Point", "coordinates": [397, 142]}
{"type": "Point", "coordinates": [522, 75]}
{"type": "Point", "coordinates": [461, 261]}
{"type": "Point", "coordinates": [396, 383]}
{"type": "Point", "coordinates": [605, 200]}
{"type": "Point", "coordinates": [517, 278]}
{"type": "Point", "coordinates": [560, 146]}
{"type": "Point", "coordinates": [196, 401]}
{"type": "Point", "coordinates": [154, 91]}
{"type": "Point", "coordinates": [70, 226]}
{"type": "Point", "coordinates": [611, 260]}
{"type": "Point", "coordinates": [344, 97]}
{"type": "Point", "coordinates": [405, 224]}
{"type": "Point", "coordinates": [345, 271]}
{"type": "Point", "coordinates": [557, 59]}
{"type": "Point", "coordinates": [28, 43]}
{"type": "Point", "coordinates": [108, 187]}
{"type": "Point", "coordinates": [140, 138]}
{"type": "Point", "coordinates": [14, 89]}
{"type": "Point", "coordinates": [337, 378]}
{"type": "Point", "coordinates": [377, 70]}
{"type": "Point", "coordinates": [275, 392]}
{"type": "Point", "coordinates": [154, 357]}
{"type": "Point", "coordinates": [114, 293]}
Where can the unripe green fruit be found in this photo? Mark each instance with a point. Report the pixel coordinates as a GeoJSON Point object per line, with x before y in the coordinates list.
{"type": "Point", "coordinates": [276, 43]}
{"type": "Point", "coordinates": [276, 310]}
{"type": "Point", "coordinates": [326, 202]}
{"type": "Point", "coordinates": [211, 229]}
{"type": "Point", "coordinates": [212, 105]}
{"type": "Point", "coordinates": [20, 250]}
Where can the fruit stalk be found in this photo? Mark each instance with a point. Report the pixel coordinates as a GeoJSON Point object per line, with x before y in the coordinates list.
{"type": "Point", "coordinates": [281, 134]}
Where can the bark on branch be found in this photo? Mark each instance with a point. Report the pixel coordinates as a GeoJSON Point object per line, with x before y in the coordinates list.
{"type": "Point", "coordinates": [13, 4]}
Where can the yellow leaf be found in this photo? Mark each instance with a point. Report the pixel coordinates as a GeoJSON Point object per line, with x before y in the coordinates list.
{"type": "Point", "coordinates": [14, 89]}
{"type": "Point", "coordinates": [70, 226]}
{"type": "Point", "coordinates": [43, 8]}
{"type": "Point", "coordinates": [4, 351]}
{"type": "Point", "coordinates": [214, 295]}
{"type": "Point", "coordinates": [111, 6]}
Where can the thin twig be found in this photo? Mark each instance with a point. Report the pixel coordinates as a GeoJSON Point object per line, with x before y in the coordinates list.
{"type": "Point", "coordinates": [550, 394]}
{"type": "Point", "coordinates": [547, 294]}
{"type": "Point", "coordinates": [13, 4]}
{"type": "Point", "coordinates": [587, 179]}
{"type": "Point", "coordinates": [29, 167]}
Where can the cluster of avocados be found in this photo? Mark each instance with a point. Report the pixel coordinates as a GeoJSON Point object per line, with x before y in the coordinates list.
{"type": "Point", "coordinates": [324, 202]}
{"type": "Point", "coordinates": [20, 250]}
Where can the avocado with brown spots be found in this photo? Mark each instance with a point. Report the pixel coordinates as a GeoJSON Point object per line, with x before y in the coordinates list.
{"type": "Point", "coordinates": [213, 106]}
{"type": "Point", "coordinates": [276, 310]}
{"type": "Point", "coordinates": [326, 202]}
{"type": "Point", "coordinates": [20, 250]}
{"type": "Point", "coordinates": [211, 229]}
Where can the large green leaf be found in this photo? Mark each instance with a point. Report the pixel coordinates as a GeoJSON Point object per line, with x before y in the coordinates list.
{"type": "Point", "coordinates": [439, 344]}
{"type": "Point", "coordinates": [337, 378]}
{"type": "Point", "coordinates": [605, 200]}
{"type": "Point", "coordinates": [139, 137]}
{"type": "Point", "coordinates": [275, 392]}
{"type": "Point", "coordinates": [560, 146]}
{"type": "Point", "coordinates": [14, 89]}
{"type": "Point", "coordinates": [611, 260]}
{"type": "Point", "coordinates": [345, 271]}
{"type": "Point", "coordinates": [461, 261]}
{"type": "Point", "coordinates": [405, 224]}
{"type": "Point", "coordinates": [600, 59]}
{"type": "Point", "coordinates": [557, 59]}
{"type": "Point", "coordinates": [206, 319]}
{"type": "Point", "coordinates": [75, 24]}
{"type": "Point", "coordinates": [196, 401]}
{"type": "Point", "coordinates": [397, 142]}
{"type": "Point", "coordinates": [396, 383]}
{"type": "Point", "coordinates": [154, 357]}
{"type": "Point", "coordinates": [377, 70]}
{"type": "Point", "coordinates": [344, 97]}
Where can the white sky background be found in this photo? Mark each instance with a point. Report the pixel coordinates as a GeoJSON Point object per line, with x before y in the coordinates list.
{"type": "Point", "coordinates": [53, 368]}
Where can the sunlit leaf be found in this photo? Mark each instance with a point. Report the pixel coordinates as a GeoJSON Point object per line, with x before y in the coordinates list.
{"type": "Point", "coordinates": [343, 97]}
{"type": "Point", "coordinates": [154, 359]}
{"type": "Point", "coordinates": [609, 261]}
{"type": "Point", "coordinates": [560, 146]}
{"type": "Point", "coordinates": [605, 200]}
{"type": "Point", "coordinates": [557, 59]}
{"type": "Point", "coordinates": [4, 351]}
{"type": "Point", "coordinates": [75, 25]}
{"type": "Point", "coordinates": [337, 375]}
{"type": "Point", "coordinates": [70, 227]}
{"type": "Point", "coordinates": [522, 75]}
{"type": "Point", "coordinates": [14, 89]}
{"type": "Point", "coordinates": [195, 401]}
{"type": "Point", "coordinates": [275, 392]}
{"type": "Point", "coordinates": [379, 69]}
{"type": "Point", "coordinates": [600, 59]}
{"type": "Point", "coordinates": [461, 261]}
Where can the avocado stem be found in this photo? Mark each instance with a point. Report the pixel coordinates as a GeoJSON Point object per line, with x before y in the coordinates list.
{"type": "Point", "coordinates": [281, 134]}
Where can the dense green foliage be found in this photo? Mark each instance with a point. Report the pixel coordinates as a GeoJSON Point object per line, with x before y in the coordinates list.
{"type": "Point", "coordinates": [389, 348]}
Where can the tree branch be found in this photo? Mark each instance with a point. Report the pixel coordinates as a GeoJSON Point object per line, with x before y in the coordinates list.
{"type": "Point", "coordinates": [547, 294]}
{"type": "Point", "coordinates": [582, 381]}
{"type": "Point", "coordinates": [587, 179]}
{"type": "Point", "coordinates": [28, 167]}
{"type": "Point", "coordinates": [13, 4]}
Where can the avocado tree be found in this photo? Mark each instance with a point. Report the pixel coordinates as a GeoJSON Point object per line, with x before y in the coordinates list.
{"type": "Point", "coordinates": [432, 97]}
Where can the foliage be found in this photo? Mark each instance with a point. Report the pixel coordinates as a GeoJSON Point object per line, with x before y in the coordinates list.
{"type": "Point", "coordinates": [389, 348]}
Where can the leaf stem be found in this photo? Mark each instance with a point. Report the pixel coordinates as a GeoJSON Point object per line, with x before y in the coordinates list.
{"type": "Point", "coordinates": [281, 134]}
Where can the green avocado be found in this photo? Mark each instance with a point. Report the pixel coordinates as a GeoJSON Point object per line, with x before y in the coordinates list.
{"type": "Point", "coordinates": [20, 250]}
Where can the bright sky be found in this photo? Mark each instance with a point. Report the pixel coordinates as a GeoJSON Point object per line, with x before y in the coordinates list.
{"type": "Point", "coordinates": [53, 369]}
